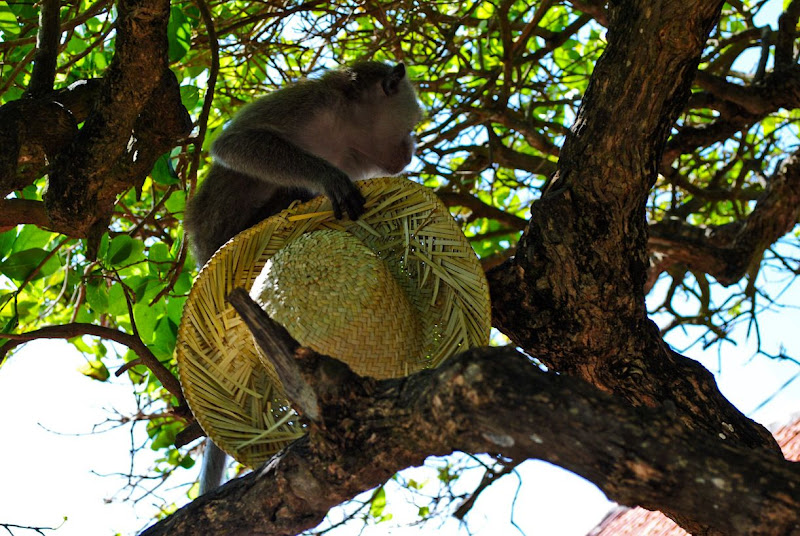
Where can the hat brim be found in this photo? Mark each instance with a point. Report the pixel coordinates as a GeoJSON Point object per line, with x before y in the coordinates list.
{"type": "Point", "coordinates": [236, 398]}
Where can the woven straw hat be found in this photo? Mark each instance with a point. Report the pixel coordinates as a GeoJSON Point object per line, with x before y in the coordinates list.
{"type": "Point", "coordinates": [394, 292]}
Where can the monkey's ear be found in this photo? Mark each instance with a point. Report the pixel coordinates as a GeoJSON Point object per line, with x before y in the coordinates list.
{"type": "Point", "coordinates": [391, 83]}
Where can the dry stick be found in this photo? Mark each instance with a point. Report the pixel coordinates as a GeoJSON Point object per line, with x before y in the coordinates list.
{"type": "Point", "coordinates": [76, 329]}
{"type": "Point", "coordinates": [271, 335]}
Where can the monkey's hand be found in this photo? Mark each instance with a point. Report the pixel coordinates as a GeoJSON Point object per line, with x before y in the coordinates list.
{"type": "Point", "coordinates": [344, 196]}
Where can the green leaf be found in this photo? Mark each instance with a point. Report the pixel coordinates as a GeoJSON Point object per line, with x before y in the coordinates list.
{"type": "Point", "coordinates": [95, 369]}
{"type": "Point", "coordinates": [6, 241]}
{"type": "Point", "coordinates": [19, 266]}
{"type": "Point", "coordinates": [31, 237]}
{"type": "Point", "coordinates": [190, 96]}
{"type": "Point", "coordinates": [176, 202]}
{"type": "Point", "coordinates": [163, 435]}
{"type": "Point", "coordinates": [175, 309]}
{"type": "Point", "coordinates": [81, 345]}
{"type": "Point", "coordinates": [164, 339]}
{"type": "Point", "coordinates": [31, 192]}
{"type": "Point", "coordinates": [8, 21]}
{"type": "Point", "coordinates": [184, 283]}
{"type": "Point", "coordinates": [99, 61]}
{"type": "Point", "coordinates": [179, 34]}
{"type": "Point", "coordinates": [102, 250]}
{"type": "Point", "coordinates": [158, 255]}
{"type": "Point", "coordinates": [119, 250]}
{"type": "Point", "coordinates": [117, 304]}
{"type": "Point", "coordinates": [10, 325]}
{"type": "Point", "coordinates": [146, 318]}
{"type": "Point", "coordinates": [138, 286]}
{"type": "Point", "coordinates": [413, 484]}
{"type": "Point", "coordinates": [164, 172]}
{"type": "Point", "coordinates": [76, 45]}
{"type": "Point", "coordinates": [378, 503]}
{"type": "Point", "coordinates": [97, 295]}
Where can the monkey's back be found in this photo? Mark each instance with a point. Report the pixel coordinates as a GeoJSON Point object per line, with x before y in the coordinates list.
{"type": "Point", "coordinates": [226, 204]}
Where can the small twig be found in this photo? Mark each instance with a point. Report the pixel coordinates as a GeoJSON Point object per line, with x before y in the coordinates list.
{"type": "Point", "coordinates": [40, 530]}
{"type": "Point", "coordinates": [71, 24]}
{"type": "Point", "coordinates": [202, 121]}
{"type": "Point", "coordinates": [127, 366]}
{"type": "Point", "coordinates": [522, 41]}
{"type": "Point", "coordinates": [68, 331]}
{"type": "Point", "coordinates": [189, 434]}
{"type": "Point", "coordinates": [81, 291]}
{"type": "Point", "coordinates": [489, 477]}
{"type": "Point", "coordinates": [496, 259]}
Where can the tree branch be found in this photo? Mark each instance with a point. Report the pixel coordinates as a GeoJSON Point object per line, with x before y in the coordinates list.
{"type": "Point", "coordinates": [483, 210]}
{"type": "Point", "coordinates": [573, 295]}
{"type": "Point", "coordinates": [486, 400]}
{"type": "Point", "coordinates": [93, 11]}
{"type": "Point", "coordinates": [594, 8]}
{"type": "Point", "coordinates": [83, 188]}
{"type": "Point", "coordinates": [44, 63]}
{"type": "Point", "coordinates": [728, 251]}
{"type": "Point", "coordinates": [787, 34]}
{"type": "Point", "coordinates": [68, 331]}
{"type": "Point", "coordinates": [739, 106]}
{"type": "Point", "coordinates": [33, 131]}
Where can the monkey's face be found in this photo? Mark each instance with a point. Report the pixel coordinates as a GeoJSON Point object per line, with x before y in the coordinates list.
{"type": "Point", "coordinates": [385, 127]}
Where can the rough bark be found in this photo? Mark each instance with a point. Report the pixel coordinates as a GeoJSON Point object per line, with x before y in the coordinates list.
{"type": "Point", "coordinates": [582, 261]}
{"type": "Point", "coordinates": [131, 117]}
{"type": "Point", "coordinates": [86, 177]}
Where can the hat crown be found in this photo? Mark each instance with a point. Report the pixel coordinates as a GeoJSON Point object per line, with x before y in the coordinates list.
{"type": "Point", "coordinates": [336, 296]}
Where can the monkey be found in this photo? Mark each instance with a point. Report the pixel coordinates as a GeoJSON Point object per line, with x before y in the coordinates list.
{"type": "Point", "coordinates": [316, 136]}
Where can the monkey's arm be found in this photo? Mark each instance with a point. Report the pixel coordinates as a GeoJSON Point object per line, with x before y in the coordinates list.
{"type": "Point", "coordinates": [266, 156]}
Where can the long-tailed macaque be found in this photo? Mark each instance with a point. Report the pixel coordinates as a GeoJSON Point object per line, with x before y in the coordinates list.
{"type": "Point", "coordinates": [313, 137]}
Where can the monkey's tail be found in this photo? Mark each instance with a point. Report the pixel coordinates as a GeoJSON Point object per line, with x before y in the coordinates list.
{"type": "Point", "coordinates": [213, 469]}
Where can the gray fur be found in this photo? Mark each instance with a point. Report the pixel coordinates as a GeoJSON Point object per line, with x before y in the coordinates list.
{"type": "Point", "coordinates": [313, 137]}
